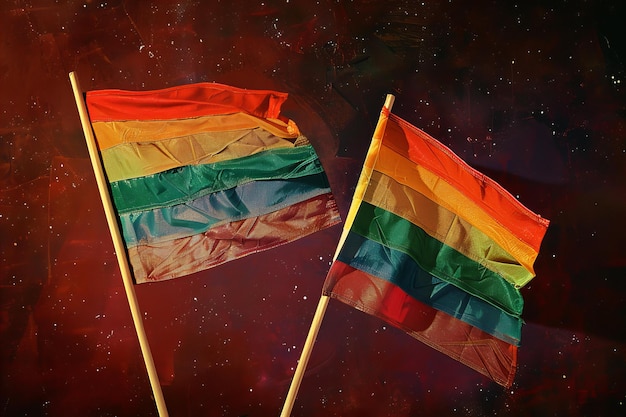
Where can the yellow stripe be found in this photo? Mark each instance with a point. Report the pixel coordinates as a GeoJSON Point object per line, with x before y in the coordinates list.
{"type": "Point", "coordinates": [137, 159]}
{"type": "Point", "coordinates": [445, 226]}
{"type": "Point", "coordinates": [433, 187]}
{"type": "Point", "coordinates": [114, 133]}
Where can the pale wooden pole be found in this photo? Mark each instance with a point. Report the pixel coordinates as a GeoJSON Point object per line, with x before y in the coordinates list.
{"type": "Point", "coordinates": [118, 244]}
{"type": "Point", "coordinates": [305, 355]}
{"type": "Point", "coordinates": [324, 299]}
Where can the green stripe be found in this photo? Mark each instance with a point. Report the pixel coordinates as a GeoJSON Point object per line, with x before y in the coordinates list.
{"type": "Point", "coordinates": [189, 182]}
{"type": "Point", "coordinates": [437, 258]}
{"type": "Point", "coordinates": [197, 216]}
{"type": "Point", "coordinates": [400, 269]}
{"type": "Point", "coordinates": [444, 225]}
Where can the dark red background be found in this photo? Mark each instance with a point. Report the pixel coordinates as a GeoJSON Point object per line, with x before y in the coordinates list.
{"type": "Point", "coordinates": [530, 93]}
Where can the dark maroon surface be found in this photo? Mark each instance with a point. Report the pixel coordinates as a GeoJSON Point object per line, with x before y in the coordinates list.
{"type": "Point", "coordinates": [530, 93]}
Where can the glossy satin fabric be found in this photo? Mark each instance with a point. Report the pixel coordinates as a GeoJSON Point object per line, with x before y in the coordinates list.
{"type": "Point", "coordinates": [419, 209]}
{"type": "Point", "coordinates": [196, 216]}
{"type": "Point", "coordinates": [459, 340]}
{"type": "Point", "coordinates": [185, 183]}
{"type": "Point", "coordinates": [205, 173]}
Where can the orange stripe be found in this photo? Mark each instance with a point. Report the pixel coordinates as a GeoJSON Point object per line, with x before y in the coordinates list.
{"type": "Point", "coordinates": [424, 150]}
{"type": "Point", "coordinates": [109, 134]}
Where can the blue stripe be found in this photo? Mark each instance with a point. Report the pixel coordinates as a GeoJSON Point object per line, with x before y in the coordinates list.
{"type": "Point", "coordinates": [400, 269]}
{"type": "Point", "coordinates": [197, 216]}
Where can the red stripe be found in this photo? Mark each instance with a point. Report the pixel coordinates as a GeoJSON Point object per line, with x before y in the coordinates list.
{"type": "Point", "coordinates": [424, 150]}
{"type": "Point", "coordinates": [467, 344]}
{"type": "Point", "coordinates": [224, 243]}
{"type": "Point", "coordinates": [192, 100]}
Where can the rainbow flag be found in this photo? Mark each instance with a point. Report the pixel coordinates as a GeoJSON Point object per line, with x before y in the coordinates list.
{"type": "Point", "coordinates": [203, 174]}
{"type": "Point", "coordinates": [438, 249]}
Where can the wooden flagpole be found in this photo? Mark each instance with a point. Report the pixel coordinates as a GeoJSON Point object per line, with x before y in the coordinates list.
{"type": "Point", "coordinates": [118, 244]}
{"type": "Point", "coordinates": [321, 309]}
{"type": "Point", "coordinates": [305, 355]}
